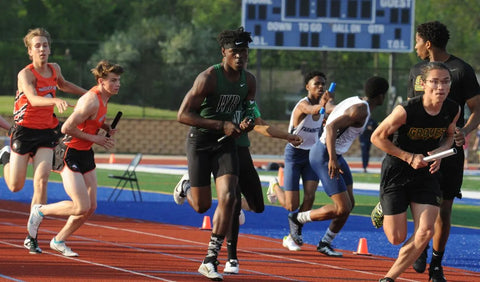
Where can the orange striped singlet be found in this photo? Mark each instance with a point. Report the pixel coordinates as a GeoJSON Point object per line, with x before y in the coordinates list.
{"type": "Point", "coordinates": [90, 126]}
{"type": "Point", "coordinates": [25, 114]}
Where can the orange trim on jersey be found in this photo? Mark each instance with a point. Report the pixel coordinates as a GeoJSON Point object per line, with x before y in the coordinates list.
{"type": "Point", "coordinates": [25, 114]}
{"type": "Point", "coordinates": [90, 126]}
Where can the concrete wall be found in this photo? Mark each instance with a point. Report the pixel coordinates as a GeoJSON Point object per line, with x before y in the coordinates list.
{"type": "Point", "coordinates": [166, 137]}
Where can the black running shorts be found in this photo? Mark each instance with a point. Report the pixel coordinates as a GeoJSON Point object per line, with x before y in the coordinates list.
{"type": "Point", "coordinates": [401, 184]}
{"type": "Point", "coordinates": [76, 160]}
{"type": "Point", "coordinates": [249, 182]}
{"type": "Point", "coordinates": [26, 140]}
{"type": "Point", "coordinates": [207, 156]}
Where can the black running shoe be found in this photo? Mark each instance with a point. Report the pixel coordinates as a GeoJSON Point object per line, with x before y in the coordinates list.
{"type": "Point", "coordinates": [386, 279]}
{"type": "Point", "coordinates": [327, 250]}
{"type": "Point", "coordinates": [436, 274]}
{"type": "Point", "coordinates": [295, 228]}
{"type": "Point", "coordinates": [421, 263]}
{"type": "Point", "coordinates": [32, 245]}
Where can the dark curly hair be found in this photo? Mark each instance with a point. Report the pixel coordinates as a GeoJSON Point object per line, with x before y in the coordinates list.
{"type": "Point", "coordinates": [313, 74]}
{"type": "Point", "coordinates": [376, 86]}
{"type": "Point", "coordinates": [234, 38]}
{"type": "Point", "coordinates": [435, 32]}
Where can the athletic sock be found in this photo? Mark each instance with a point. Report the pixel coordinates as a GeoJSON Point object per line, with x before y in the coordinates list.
{"type": "Point", "coordinates": [214, 247]}
{"type": "Point", "coordinates": [232, 249]}
{"type": "Point", "coordinates": [436, 258]}
{"type": "Point", "coordinates": [329, 236]}
{"type": "Point", "coordinates": [303, 217]}
{"type": "Point", "coordinates": [232, 241]}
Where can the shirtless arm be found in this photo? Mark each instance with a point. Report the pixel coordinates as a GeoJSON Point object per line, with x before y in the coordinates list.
{"type": "Point", "coordinates": [26, 84]}
{"type": "Point", "coordinates": [270, 131]}
{"type": "Point", "coordinates": [86, 108]}
{"type": "Point", "coordinates": [387, 127]}
{"type": "Point", "coordinates": [65, 85]}
{"type": "Point", "coordinates": [354, 116]}
{"type": "Point", "coordinates": [188, 113]}
{"type": "Point", "coordinates": [472, 122]}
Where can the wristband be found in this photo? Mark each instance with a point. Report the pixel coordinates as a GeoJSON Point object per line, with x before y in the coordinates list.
{"type": "Point", "coordinates": [252, 110]}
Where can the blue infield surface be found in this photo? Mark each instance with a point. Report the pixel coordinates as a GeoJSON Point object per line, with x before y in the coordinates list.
{"type": "Point", "coordinates": [463, 249]}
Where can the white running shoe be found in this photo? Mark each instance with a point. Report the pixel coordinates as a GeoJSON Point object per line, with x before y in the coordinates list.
{"type": "Point", "coordinates": [231, 267]}
{"type": "Point", "coordinates": [290, 244]}
{"type": "Point", "coordinates": [5, 150]}
{"type": "Point", "coordinates": [180, 191]}
{"type": "Point", "coordinates": [241, 218]}
{"type": "Point", "coordinates": [271, 196]}
{"type": "Point", "coordinates": [34, 221]}
{"type": "Point", "coordinates": [62, 248]}
{"type": "Point", "coordinates": [209, 270]}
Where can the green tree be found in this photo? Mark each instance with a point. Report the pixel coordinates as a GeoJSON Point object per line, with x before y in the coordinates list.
{"type": "Point", "coordinates": [162, 57]}
{"type": "Point", "coordinates": [462, 17]}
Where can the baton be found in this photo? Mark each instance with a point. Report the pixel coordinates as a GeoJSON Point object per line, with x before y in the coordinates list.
{"type": "Point", "coordinates": [440, 155]}
{"type": "Point", "coordinates": [331, 89]}
{"type": "Point", "coordinates": [222, 138]}
{"type": "Point", "coordinates": [249, 120]}
{"type": "Point", "coordinates": [115, 121]}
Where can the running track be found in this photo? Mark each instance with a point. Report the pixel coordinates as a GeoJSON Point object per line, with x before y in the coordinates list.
{"type": "Point", "coordinates": [119, 249]}
{"type": "Point", "coordinates": [128, 241]}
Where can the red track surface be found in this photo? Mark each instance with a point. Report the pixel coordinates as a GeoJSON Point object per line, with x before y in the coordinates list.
{"type": "Point", "coordinates": [117, 249]}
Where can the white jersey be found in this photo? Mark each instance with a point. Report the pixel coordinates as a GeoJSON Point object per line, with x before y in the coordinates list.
{"type": "Point", "coordinates": [308, 128]}
{"type": "Point", "coordinates": [345, 140]}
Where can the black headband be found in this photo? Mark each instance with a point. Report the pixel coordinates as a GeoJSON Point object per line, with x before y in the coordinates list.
{"type": "Point", "coordinates": [236, 44]}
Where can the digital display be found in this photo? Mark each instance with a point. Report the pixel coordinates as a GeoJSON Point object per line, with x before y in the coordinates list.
{"type": "Point", "coordinates": [350, 25]}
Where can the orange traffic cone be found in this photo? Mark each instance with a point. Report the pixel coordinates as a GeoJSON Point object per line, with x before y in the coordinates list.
{"type": "Point", "coordinates": [280, 176]}
{"type": "Point", "coordinates": [206, 225]}
{"type": "Point", "coordinates": [362, 248]}
{"type": "Point", "coordinates": [112, 159]}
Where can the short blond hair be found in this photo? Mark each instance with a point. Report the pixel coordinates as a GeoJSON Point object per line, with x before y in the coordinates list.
{"type": "Point", "coordinates": [39, 31]}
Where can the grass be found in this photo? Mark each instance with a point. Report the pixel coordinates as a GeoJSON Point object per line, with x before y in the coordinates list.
{"type": "Point", "coordinates": [132, 112]}
{"type": "Point", "coordinates": [463, 215]}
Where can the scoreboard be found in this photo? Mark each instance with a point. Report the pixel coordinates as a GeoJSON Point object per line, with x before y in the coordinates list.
{"type": "Point", "coordinates": [333, 25]}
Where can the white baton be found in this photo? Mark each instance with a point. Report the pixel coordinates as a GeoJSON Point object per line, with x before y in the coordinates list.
{"type": "Point", "coordinates": [440, 155]}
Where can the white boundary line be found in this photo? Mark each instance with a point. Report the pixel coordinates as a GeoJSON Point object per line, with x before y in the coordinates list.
{"type": "Point", "coordinates": [128, 230]}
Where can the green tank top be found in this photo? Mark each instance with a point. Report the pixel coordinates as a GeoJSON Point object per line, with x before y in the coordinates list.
{"type": "Point", "coordinates": [243, 140]}
{"type": "Point", "coordinates": [224, 102]}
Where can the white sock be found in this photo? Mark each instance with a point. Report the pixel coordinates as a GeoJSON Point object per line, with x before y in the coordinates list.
{"type": "Point", "coordinates": [329, 236]}
{"type": "Point", "coordinates": [303, 217]}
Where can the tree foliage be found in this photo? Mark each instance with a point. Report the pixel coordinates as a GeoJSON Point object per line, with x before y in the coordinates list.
{"type": "Point", "coordinates": [164, 44]}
